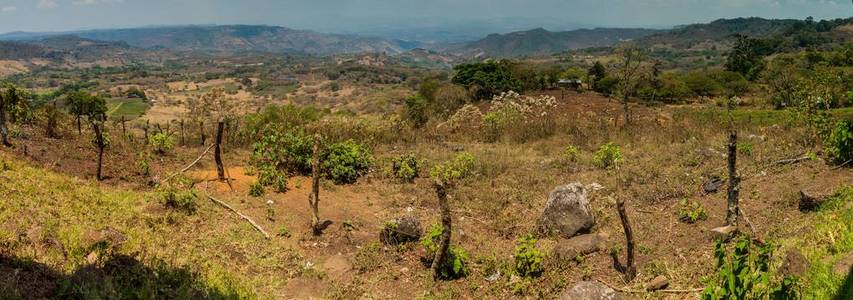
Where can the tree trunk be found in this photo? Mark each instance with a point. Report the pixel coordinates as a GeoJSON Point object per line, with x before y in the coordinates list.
{"type": "Point", "coordinates": [217, 154]}
{"type": "Point", "coordinates": [51, 121]}
{"type": "Point", "coordinates": [201, 132]}
{"type": "Point", "coordinates": [734, 181]}
{"type": "Point", "coordinates": [3, 130]}
{"type": "Point", "coordinates": [314, 198]}
{"type": "Point", "coordinates": [79, 129]}
{"type": "Point", "coordinates": [630, 269]}
{"type": "Point", "coordinates": [627, 110]}
{"type": "Point", "coordinates": [99, 141]}
{"type": "Point", "coordinates": [182, 132]}
{"type": "Point", "coordinates": [123, 128]}
{"type": "Point", "coordinates": [446, 230]}
{"type": "Point", "coordinates": [145, 131]}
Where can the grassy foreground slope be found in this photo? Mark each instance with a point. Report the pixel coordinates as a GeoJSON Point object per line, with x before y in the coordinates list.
{"type": "Point", "coordinates": [68, 238]}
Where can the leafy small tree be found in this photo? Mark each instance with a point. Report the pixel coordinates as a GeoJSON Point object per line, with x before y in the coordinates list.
{"type": "Point", "coordinates": [161, 142]}
{"type": "Point", "coordinates": [446, 176]}
{"type": "Point", "coordinates": [609, 155]}
{"type": "Point", "coordinates": [10, 97]}
{"type": "Point", "coordinates": [487, 79]}
{"type": "Point", "coordinates": [746, 57]}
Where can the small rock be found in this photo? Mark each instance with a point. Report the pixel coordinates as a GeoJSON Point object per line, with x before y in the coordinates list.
{"type": "Point", "coordinates": [810, 201]}
{"type": "Point", "coordinates": [494, 277]}
{"type": "Point", "coordinates": [795, 264]}
{"type": "Point", "coordinates": [568, 250]}
{"type": "Point", "coordinates": [92, 257]}
{"type": "Point", "coordinates": [567, 212]}
{"type": "Point", "coordinates": [591, 290]}
{"type": "Point", "coordinates": [401, 230]}
{"type": "Point", "coordinates": [658, 283]}
{"type": "Point", "coordinates": [844, 266]}
{"type": "Point", "coordinates": [594, 187]}
{"type": "Point", "coordinates": [723, 233]}
{"type": "Point", "coordinates": [713, 185]}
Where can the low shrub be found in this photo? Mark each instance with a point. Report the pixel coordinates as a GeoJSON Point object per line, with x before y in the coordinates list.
{"type": "Point", "coordinates": [608, 156]}
{"type": "Point", "coordinates": [839, 143]}
{"type": "Point", "coordinates": [183, 200]}
{"type": "Point", "coordinates": [745, 148]}
{"type": "Point", "coordinates": [691, 212]}
{"type": "Point", "coordinates": [455, 264]}
{"type": "Point", "coordinates": [458, 168]}
{"type": "Point", "coordinates": [405, 168]}
{"type": "Point", "coordinates": [256, 189]}
{"type": "Point", "coordinates": [161, 143]}
{"type": "Point", "coordinates": [282, 149]}
{"type": "Point", "coordinates": [345, 162]}
{"type": "Point", "coordinates": [143, 164]}
{"type": "Point", "coordinates": [270, 176]}
{"type": "Point", "coordinates": [746, 274]}
{"type": "Point", "coordinates": [528, 259]}
{"type": "Point", "coordinates": [570, 154]}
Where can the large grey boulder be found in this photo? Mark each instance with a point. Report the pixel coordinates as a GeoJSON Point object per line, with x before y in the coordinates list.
{"type": "Point", "coordinates": [591, 290]}
{"type": "Point", "coordinates": [567, 212]}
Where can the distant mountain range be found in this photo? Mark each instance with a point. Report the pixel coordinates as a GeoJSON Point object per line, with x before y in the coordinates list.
{"type": "Point", "coordinates": [234, 38]}
{"type": "Point", "coordinates": [543, 42]}
{"type": "Point", "coordinates": [274, 39]}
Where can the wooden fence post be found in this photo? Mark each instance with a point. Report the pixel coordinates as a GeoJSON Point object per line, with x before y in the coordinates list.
{"type": "Point", "coordinates": [217, 154]}
{"type": "Point", "coordinates": [314, 198]}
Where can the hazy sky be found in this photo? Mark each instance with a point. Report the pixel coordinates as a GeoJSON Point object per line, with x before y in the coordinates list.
{"type": "Point", "coordinates": [355, 15]}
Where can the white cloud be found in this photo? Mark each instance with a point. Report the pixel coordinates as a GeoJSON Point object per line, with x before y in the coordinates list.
{"type": "Point", "coordinates": [8, 9]}
{"type": "Point", "coordinates": [44, 4]}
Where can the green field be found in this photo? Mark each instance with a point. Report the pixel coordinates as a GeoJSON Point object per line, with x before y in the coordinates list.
{"type": "Point", "coordinates": [129, 108]}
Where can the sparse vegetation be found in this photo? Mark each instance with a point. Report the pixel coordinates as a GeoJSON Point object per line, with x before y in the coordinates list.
{"type": "Point", "coordinates": [608, 156]}
{"type": "Point", "coordinates": [165, 214]}
{"type": "Point", "coordinates": [691, 211]}
{"type": "Point", "coordinates": [528, 259]}
{"type": "Point", "coordinates": [161, 143]}
{"type": "Point", "coordinates": [455, 264]}
{"type": "Point", "coordinates": [405, 168]}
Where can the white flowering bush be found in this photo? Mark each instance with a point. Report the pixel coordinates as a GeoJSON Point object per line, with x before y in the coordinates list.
{"type": "Point", "coordinates": [519, 118]}
{"type": "Point", "coordinates": [466, 120]}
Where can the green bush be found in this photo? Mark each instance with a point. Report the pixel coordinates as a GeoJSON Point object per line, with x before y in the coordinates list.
{"type": "Point", "coordinates": [183, 200]}
{"type": "Point", "coordinates": [458, 168]}
{"type": "Point", "coordinates": [570, 154]}
{"type": "Point", "coordinates": [345, 162]}
{"type": "Point", "coordinates": [405, 168]}
{"type": "Point", "coordinates": [745, 148]}
{"type": "Point", "coordinates": [528, 259]}
{"type": "Point", "coordinates": [839, 143]}
{"type": "Point", "coordinates": [256, 189]}
{"type": "Point", "coordinates": [746, 274]}
{"type": "Point", "coordinates": [455, 264]}
{"type": "Point", "coordinates": [276, 117]}
{"type": "Point", "coordinates": [161, 142]}
{"type": "Point", "coordinates": [143, 164]}
{"type": "Point", "coordinates": [609, 155]}
{"type": "Point", "coordinates": [416, 111]}
{"type": "Point", "coordinates": [282, 149]}
{"type": "Point", "coordinates": [691, 212]}
{"type": "Point", "coordinates": [270, 176]}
